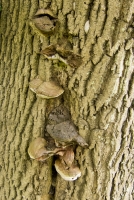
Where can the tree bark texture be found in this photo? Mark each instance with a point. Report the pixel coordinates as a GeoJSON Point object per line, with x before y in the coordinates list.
{"type": "Point", "coordinates": [99, 95]}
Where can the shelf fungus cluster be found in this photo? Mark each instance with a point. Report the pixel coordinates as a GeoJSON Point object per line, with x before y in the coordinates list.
{"type": "Point", "coordinates": [45, 21]}
{"type": "Point", "coordinates": [46, 90]}
{"type": "Point", "coordinates": [61, 52]}
{"type": "Point", "coordinates": [65, 134]}
{"type": "Point", "coordinates": [61, 129]}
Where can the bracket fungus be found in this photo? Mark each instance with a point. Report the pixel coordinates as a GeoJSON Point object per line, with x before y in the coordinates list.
{"type": "Point", "coordinates": [45, 21]}
{"type": "Point", "coordinates": [64, 131]}
{"type": "Point", "coordinates": [59, 114]}
{"type": "Point", "coordinates": [64, 164]}
{"type": "Point", "coordinates": [46, 90]}
{"type": "Point", "coordinates": [38, 149]}
{"type": "Point", "coordinates": [62, 52]}
{"type": "Point", "coordinates": [68, 157]}
{"type": "Point", "coordinates": [70, 174]}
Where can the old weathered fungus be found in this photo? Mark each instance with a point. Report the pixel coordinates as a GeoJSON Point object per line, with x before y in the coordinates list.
{"type": "Point", "coordinates": [45, 21]}
{"type": "Point", "coordinates": [63, 131]}
{"type": "Point", "coordinates": [62, 52]}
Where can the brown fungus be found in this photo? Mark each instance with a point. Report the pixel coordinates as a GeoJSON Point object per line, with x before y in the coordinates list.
{"type": "Point", "coordinates": [62, 51]}
{"type": "Point", "coordinates": [35, 83]}
{"type": "Point", "coordinates": [49, 51]}
{"type": "Point", "coordinates": [38, 149]}
{"type": "Point", "coordinates": [70, 174]}
{"type": "Point", "coordinates": [45, 21]}
{"type": "Point", "coordinates": [68, 157]}
{"type": "Point", "coordinates": [46, 90]}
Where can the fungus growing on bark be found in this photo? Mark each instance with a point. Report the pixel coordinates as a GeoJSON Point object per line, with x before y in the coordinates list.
{"type": "Point", "coordinates": [62, 51]}
{"type": "Point", "coordinates": [59, 114]}
{"type": "Point", "coordinates": [62, 129]}
{"type": "Point", "coordinates": [35, 83]}
{"type": "Point", "coordinates": [68, 174]}
{"type": "Point", "coordinates": [68, 156]}
{"type": "Point", "coordinates": [38, 149]}
{"type": "Point", "coordinates": [65, 133]}
{"type": "Point", "coordinates": [45, 21]}
{"type": "Point", "coordinates": [46, 90]}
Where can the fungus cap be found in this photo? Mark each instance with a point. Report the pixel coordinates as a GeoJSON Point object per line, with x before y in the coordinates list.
{"type": "Point", "coordinates": [70, 174]}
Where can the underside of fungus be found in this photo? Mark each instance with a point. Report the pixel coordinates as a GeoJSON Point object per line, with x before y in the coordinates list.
{"type": "Point", "coordinates": [68, 174]}
{"type": "Point", "coordinates": [64, 165]}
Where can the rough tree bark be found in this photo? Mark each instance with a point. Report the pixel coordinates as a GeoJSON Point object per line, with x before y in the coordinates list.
{"type": "Point", "coordinates": [99, 95]}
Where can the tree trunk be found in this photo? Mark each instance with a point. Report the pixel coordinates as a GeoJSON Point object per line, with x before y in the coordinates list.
{"type": "Point", "coordinates": [99, 95]}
